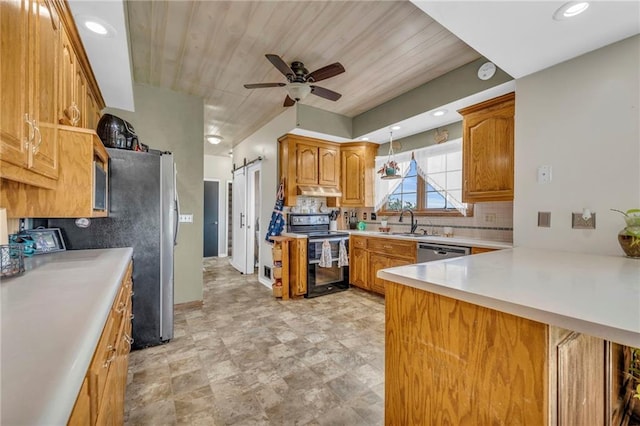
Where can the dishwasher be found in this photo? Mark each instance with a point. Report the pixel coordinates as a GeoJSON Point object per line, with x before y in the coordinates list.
{"type": "Point", "coordinates": [428, 252]}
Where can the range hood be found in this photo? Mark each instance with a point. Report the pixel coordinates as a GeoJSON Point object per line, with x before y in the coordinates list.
{"type": "Point", "coordinates": [319, 191]}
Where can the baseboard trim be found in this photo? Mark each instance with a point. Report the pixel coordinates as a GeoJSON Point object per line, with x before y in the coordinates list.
{"type": "Point", "coordinates": [265, 282]}
{"type": "Point", "coordinates": [188, 305]}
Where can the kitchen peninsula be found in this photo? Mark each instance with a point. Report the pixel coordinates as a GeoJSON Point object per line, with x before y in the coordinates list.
{"type": "Point", "coordinates": [520, 336]}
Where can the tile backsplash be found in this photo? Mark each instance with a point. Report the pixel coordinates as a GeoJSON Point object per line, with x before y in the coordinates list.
{"type": "Point", "coordinates": [490, 221]}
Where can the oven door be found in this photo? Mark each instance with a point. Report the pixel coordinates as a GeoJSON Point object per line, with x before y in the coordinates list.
{"type": "Point", "coordinates": [321, 280]}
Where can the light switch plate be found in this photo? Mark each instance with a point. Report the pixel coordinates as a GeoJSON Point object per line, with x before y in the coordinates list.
{"type": "Point", "coordinates": [186, 218]}
{"type": "Point", "coordinates": [544, 174]}
{"type": "Point", "coordinates": [578, 222]}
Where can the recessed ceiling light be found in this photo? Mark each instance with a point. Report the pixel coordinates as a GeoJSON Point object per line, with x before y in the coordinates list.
{"type": "Point", "coordinates": [439, 113]}
{"type": "Point", "coordinates": [214, 139]}
{"type": "Point", "coordinates": [97, 26]}
{"type": "Point", "coordinates": [570, 9]}
{"type": "Point", "coordinates": [396, 128]}
{"type": "Point", "coordinates": [365, 139]}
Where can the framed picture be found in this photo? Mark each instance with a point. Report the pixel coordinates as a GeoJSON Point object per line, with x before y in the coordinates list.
{"type": "Point", "coordinates": [46, 240]}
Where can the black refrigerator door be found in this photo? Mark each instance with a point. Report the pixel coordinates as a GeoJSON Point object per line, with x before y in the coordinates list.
{"type": "Point", "coordinates": [134, 221]}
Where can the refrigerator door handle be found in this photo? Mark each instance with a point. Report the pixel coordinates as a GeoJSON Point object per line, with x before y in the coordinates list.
{"type": "Point", "coordinates": [176, 226]}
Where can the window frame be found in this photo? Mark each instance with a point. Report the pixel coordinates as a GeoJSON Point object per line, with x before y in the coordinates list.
{"type": "Point", "coordinates": [421, 211]}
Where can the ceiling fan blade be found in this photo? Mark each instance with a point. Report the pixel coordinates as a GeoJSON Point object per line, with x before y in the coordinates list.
{"type": "Point", "coordinates": [280, 65]}
{"type": "Point", "coordinates": [262, 85]}
{"type": "Point", "coordinates": [288, 101]}
{"type": "Point", "coordinates": [325, 93]}
{"type": "Point", "coordinates": [326, 72]}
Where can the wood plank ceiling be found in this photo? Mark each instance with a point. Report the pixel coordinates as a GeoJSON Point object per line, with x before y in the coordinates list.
{"type": "Point", "coordinates": [211, 48]}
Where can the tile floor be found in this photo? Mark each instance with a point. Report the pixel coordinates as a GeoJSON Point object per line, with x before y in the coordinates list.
{"type": "Point", "coordinates": [245, 358]}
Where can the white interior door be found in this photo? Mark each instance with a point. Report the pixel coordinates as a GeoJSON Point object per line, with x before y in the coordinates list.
{"type": "Point", "coordinates": [239, 220]}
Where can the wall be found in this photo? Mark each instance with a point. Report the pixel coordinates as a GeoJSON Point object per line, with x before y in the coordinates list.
{"type": "Point", "coordinates": [264, 142]}
{"type": "Point", "coordinates": [219, 168]}
{"type": "Point", "coordinates": [454, 85]}
{"type": "Point", "coordinates": [582, 118]}
{"type": "Point", "coordinates": [172, 121]}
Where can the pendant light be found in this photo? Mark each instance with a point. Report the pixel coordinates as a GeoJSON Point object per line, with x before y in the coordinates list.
{"type": "Point", "coordinates": [390, 169]}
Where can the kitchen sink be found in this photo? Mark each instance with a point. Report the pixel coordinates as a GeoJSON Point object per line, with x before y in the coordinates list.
{"type": "Point", "coordinates": [414, 234]}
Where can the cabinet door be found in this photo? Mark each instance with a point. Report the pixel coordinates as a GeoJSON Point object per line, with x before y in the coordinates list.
{"type": "Point", "coordinates": [43, 157]}
{"type": "Point", "coordinates": [81, 414]}
{"type": "Point", "coordinates": [359, 268]}
{"type": "Point", "coordinates": [92, 113]}
{"type": "Point", "coordinates": [66, 101]}
{"type": "Point", "coordinates": [329, 167]}
{"type": "Point", "coordinates": [80, 96]}
{"type": "Point", "coordinates": [14, 81]}
{"type": "Point", "coordinates": [306, 164]}
{"type": "Point", "coordinates": [352, 177]}
{"type": "Point", "coordinates": [488, 152]}
{"type": "Point", "coordinates": [376, 262]}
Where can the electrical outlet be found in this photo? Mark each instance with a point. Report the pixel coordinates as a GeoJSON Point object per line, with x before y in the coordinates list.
{"type": "Point", "coordinates": [490, 217]}
{"type": "Point", "coordinates": [578, 222]}
{"type": "Point", "coordinates": [186, 218]}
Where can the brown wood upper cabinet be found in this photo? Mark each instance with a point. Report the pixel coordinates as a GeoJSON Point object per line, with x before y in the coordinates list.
{"type": "Point", "coordinates": [30, 31]}
{"type": "Point", "coordinates": [72, 195]}
{"type": "Point", "coordinates": [357, 168]}
{"type": "Point", "coordinates": [487, 150]}
{"type": "Point", "coordinates": [308, 161]}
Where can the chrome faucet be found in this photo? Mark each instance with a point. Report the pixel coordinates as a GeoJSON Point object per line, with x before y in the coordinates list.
{"type": "Point", "coordinates": [414, 224]}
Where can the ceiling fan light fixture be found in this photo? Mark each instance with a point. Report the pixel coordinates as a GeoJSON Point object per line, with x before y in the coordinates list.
{"type": "Point", "coordinates": [570, 9]}
{"type": "Point", "coordinates": [298, 91]}
{"type": "Point", "coordinates": [214, 139]}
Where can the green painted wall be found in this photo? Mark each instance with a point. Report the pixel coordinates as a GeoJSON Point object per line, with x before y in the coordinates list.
{"type": "Point", "coordinates": [450, 87]}
{"type": "Point", "coordinates": [420, 140]}
{"type": "Point", "coordinates": [172, 121]}
{"type": "Point", "coordinates": [319, 120]}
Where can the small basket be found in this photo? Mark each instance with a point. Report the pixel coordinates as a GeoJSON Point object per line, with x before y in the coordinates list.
{"type": "Point", "coordinates": [11, 260]}
{"type": "Point", "coordinates": [277, 273]}
{"type": "Point", "coordinates": [277, 255]}
{"type": "Point", "coordinates": [277, 289]}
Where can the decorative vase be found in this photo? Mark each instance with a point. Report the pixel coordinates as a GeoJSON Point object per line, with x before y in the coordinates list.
{"type": "Point", "coordinates": [629, 240]}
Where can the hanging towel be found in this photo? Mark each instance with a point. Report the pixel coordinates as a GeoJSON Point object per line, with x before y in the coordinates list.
{"type": "Point", "coordinates": [343, 258]}
{"type": "Point", "coordinates": [276, 225]}
{"type": "Point", "coordinates": [325, 256]}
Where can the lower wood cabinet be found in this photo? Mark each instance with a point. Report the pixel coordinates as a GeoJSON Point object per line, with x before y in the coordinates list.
{"type": "Point", "coordinates": [369, 254]}
{"type": "Point", "coordinates": [453, 362]}
{"type": "Point", "coordinates": [101, 399]}
{"type": "Point", "coordinates": [298, 267]}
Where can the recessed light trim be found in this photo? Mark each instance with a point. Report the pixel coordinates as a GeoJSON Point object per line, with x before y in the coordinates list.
{"type": "Point", "coordinates": [365, 139]}
{"type": "Point", "coordinates": [570, 10]}
{"type": "Point", "coordinates": [396, 127]}
{"type": "Point", "coordinates": [97, 27]}
{"type": "Point", "coordinates": [214, 139]}
{"type": "Point", "coordinates": [439, 112]}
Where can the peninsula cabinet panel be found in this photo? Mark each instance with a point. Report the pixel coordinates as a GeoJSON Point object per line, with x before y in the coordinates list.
{"type": "Point", "coordinates": [487, 140]}
{"type": "Point", "coordinates": [449, 362]}
{"type": "Point", "coordinates": [581, 379]}
{"type": "Point", "coordinates": [298, 267]}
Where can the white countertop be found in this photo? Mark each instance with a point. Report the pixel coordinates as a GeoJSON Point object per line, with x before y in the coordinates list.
{"type": "Point", "coordinates": [52, 317]}
{"type": "Point", "coordinates": [591, 294]}
{"type": "Point", "coordinates": [454, 241]}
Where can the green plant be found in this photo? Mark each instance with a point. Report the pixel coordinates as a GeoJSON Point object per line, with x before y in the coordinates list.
{"type": "Point", "coordinates": [634, 370]}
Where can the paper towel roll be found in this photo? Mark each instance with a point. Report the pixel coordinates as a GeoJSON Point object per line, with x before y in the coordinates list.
{"type": "Point", "coordinates": [4, 235]}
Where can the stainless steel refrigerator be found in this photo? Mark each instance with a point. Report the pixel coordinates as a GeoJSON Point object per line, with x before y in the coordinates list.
{"type": "Point", "coordinates": [143, 214]}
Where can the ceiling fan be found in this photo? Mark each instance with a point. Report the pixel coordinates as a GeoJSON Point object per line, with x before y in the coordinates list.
{"type": "Point", "coordinates": [299, 80]}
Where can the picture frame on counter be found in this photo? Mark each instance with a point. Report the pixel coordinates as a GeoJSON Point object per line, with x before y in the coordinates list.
{"type": "Point", "coordinates": [46, 240]}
